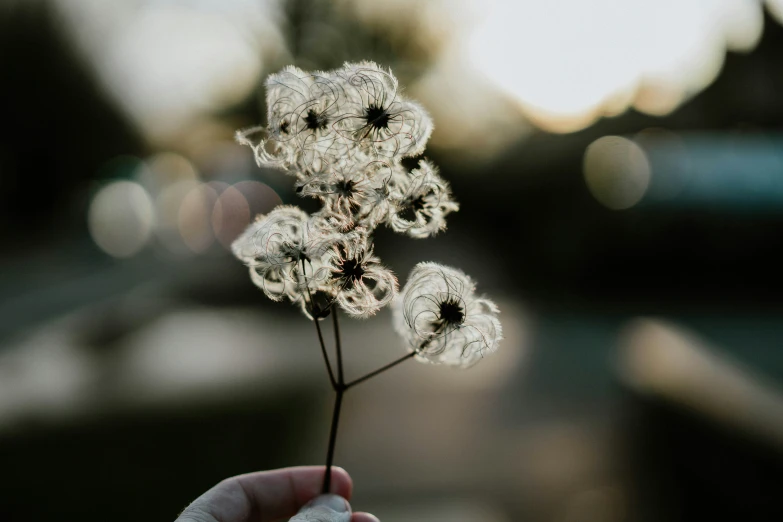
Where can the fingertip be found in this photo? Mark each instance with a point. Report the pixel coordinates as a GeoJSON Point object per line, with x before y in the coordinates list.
{"type": "Point", "coordinates": [342, 483]}
{"type": "Point", "coordinates": [309, 479]}
{"type": "Point", "coordinates": [335, 503]}
{"type": "Point", "coordinates": [364, 517]}
{"type": "Point", "coordinates": [281, 493]}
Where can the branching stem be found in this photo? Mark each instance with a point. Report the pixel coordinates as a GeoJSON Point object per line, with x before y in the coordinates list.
{"type": "Point", "coordinates": [332, 381]}
{"type": "Point", "coordinates": [340, 387]}
{"type": "Point", "coordinates": [379, 370]}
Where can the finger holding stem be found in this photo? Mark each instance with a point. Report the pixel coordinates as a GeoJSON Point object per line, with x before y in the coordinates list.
{"type": "Point", "coordinates": [340, 390]}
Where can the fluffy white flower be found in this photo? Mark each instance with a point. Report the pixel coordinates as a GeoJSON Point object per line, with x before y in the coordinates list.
{"type": "Point", "coordinates": [441, 318]}
{"type": "Point", "coordinates": [283, 252]}
{"type": "Point", "coordinates": [362, 285]}
{"type": "Point", "coordinates": [359, 196]}
{"type": "Point", "coordinates": [376, 117]}
{"type": "Point", "coordinates": [302, 109]}
{"type": "Point", "coordinates": [323, 120]}
{"type": "Point", "coordinates": [422, 202]}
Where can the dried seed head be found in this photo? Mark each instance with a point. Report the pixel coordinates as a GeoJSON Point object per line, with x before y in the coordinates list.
{"type": "Point", "coordinates": [441, 318]}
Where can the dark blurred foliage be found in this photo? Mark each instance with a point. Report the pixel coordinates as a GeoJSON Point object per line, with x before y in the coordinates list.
{"type": "Point", "coordinates": [58, 129]}
{"type": "Point", "coordinates": [686, 468]}
{"type": "Point", "coordinates": [111, 468]}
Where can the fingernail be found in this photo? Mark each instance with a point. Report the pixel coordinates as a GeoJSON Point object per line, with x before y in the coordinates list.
{"type": "Point", "coordinates": [333, 502]}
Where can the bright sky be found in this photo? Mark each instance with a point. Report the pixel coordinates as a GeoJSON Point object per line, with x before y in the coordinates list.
{"type": "Point", "coordinates": [568, 62]}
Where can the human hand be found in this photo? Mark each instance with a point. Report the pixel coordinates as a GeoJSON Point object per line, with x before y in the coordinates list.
{"type": "Point", "coordinates": [270, 496]}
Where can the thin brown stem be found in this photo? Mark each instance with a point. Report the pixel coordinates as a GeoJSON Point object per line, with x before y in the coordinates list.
{"type": "Point", "coordinates": [318, 329]}
{"type": "Point", "coordinates": [334, 383]}
{"type": "Point", "coordinates": [338, 401]}
{"type": "Point", "coordinates": [379, 370]}
{"type": "Point", "coordinates": [338, 345]}
{"type": "Point", "coordinates": [340, 387]}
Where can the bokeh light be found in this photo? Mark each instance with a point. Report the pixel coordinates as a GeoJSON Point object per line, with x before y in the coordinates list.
{"type": "Point", "coordinates": [261, 197]}
{"type": "Point", "coordinates": [775, 7]}
{"type": "Point", "coordinates": [570, 62]}
{"type": "Point", "coordinates": [165, 169]}
{"type": "Point", "coordinates": [230, 215]}
{"type": "Point", "coordinates": [120, 218]}
{"type": "Point", "coordinates": [475, 121]}
{"type": "Point", "coordinates": [617, 172]}
{"type": "Point", "coordinates": [167, 63]}
{"type": "Point", "coordinates": [194, 217]}
{"type": "Point", "coordinates": [417, 29]}
{"type": "Point", "coordinates": [167, 210]}
{"type": "Point", "coordinates": [237, 205]}
{"type": "Point", "coordinates": [172, 60]}
{"type": "Point", "coordinates": [670, 162]}
{"type": "Point", "coordinates": [669, 361]}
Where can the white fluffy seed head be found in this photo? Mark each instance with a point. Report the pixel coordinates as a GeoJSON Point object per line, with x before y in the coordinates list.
{"type": "Point", "coordinates": [361, 284]}
{"type": "Point", "coordinates": [323, 119]}
{"type": "Point", "coordinates": [441, 319]}
{"type": "Point", "coordinates": [275, 247]}
{"type": "Point", "coordinates": [343, 134]}
{"type": "Point", "coordinates": [422, 202]}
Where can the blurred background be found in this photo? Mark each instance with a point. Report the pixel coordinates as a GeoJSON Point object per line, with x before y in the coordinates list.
{"type": "Point", "coordinates": [620, 169]}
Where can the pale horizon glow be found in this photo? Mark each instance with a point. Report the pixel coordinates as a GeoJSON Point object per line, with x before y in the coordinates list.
{"type": "Point", "coordinates": [168, 63]}
{"type": "Point", "coordinates": [569, 62]}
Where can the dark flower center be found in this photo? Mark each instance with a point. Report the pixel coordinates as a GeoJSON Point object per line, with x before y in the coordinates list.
{"type": "Point", "coordinates": [451, 312]}
{"type": "Point", "coordinates": [411, 208]}
{"type": "Point", "coordinates": [316, 120]}
{"type": "Point", "coordinates": [352, 270]}
{"type": "Point", "coordinates": [319, 304]}
{"type": "Point", "coordinates": [376, 116]}
{"type": "Point", "coordinates": [294, 252]}
{"type": "Point", "coordinates": [345, 188]}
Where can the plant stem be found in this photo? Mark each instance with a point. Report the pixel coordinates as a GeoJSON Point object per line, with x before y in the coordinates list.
{"type": "Point", "coordinates": [379, 370]}
{"type": "Point", "coordinates": [340, 388]}
{"type": "Point", "coordinates": [340, 375]}
{"type": "Point", "coordinates": [338, 401]}
{"type": "Point", "coordinates": [326, 356]}
{"type": "Point", "coordinates": [318, 329]}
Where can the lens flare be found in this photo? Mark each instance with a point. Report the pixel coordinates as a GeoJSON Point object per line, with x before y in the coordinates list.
{"type": "Point", "coordinates": [616, 171]}
{"type": "Point", "coordinates": [120, 218]}
{"type": "Point", "coordinates": [194, 217]}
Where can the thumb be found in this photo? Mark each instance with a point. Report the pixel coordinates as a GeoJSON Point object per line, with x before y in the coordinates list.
{"type": "Point", "coordinates": [325, 508]}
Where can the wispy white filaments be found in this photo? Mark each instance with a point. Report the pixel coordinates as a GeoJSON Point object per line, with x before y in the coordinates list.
{"type": "Point", "coordinates": [322, 120]}
{"type": "Point", "coordinates": [443, 320]}
{"type": "Point", "coordinates": [279, 250]}
{"type": "Point", "coordinates": [342, 134]}
{"type": "Point", "coordinates": [422, 202]}
{"type": "Point", "coordinates": [376, 117]}
{"type": "Point", "coordinates": [361, 284]}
